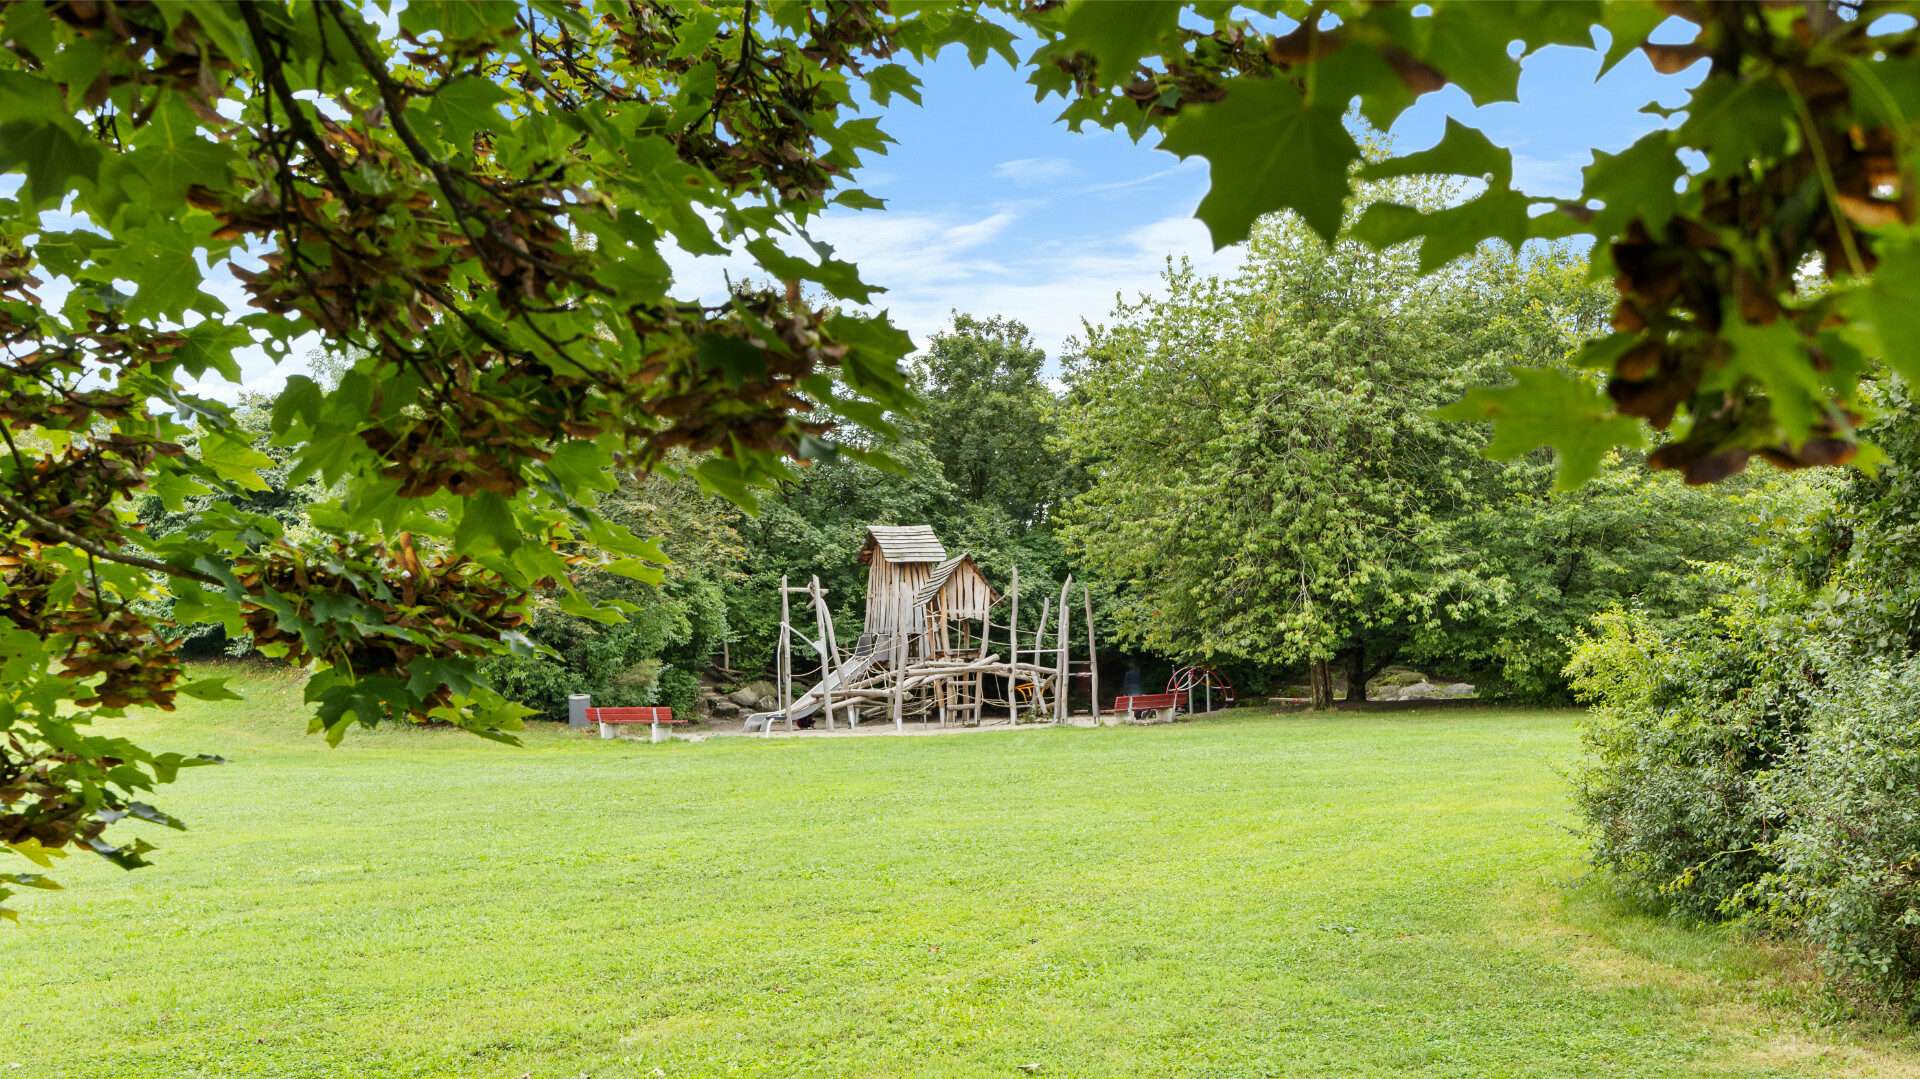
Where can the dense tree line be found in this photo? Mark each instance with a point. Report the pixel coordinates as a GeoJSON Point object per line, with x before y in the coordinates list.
{"type": "Point", "coordinates": [1250, 470]}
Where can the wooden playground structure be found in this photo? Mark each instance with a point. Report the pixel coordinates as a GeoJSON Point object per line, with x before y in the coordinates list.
{"type": "Point", "coordinates": [940, 645]}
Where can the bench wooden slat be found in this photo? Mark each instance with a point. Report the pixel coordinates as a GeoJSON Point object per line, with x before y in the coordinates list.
{"type": "Point", "coordinates": [632, 715]}
{"type": "Point", "coordinates": [1147, 702]}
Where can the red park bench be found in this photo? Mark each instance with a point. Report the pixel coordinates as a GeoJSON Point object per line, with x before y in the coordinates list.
{"type": "Point", "coordinates": [1170, 703]}
{"type": "Point", "coordinates": [655, 718]}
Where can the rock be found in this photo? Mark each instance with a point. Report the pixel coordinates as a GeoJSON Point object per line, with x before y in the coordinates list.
{"type": "Point", "coordinates": [1458, 689]}
{"type": "Point", "coordinates": [720, 706]}
{"type": "Point", "coordinates": [1386, 686]}
{"type": "Point", "coordinates": [1420, 691]}
{"type": "Point", "coordinates": [756, 695]}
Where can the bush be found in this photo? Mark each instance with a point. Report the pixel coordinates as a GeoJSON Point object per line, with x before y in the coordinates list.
{"type": "Point", "coordinates": [679, 689]}
{"type": "Point", "coordinates": [1762, 759]}
{"type": "Point", "coordinates": [651, 658]}
{"type": "Point", "coordinates": [1848, 856]}
{"type": "Point", "coordinates": [1685, 722]}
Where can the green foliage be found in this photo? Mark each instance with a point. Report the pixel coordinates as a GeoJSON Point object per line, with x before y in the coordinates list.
{"type": "Point", "coordinates": [1580, 425]}
{"type": "Point", "coordinates": [985, 413]}
{"type": "Point", "coordinates": [1845, 873]}
{"type": "Point", "coordinates": [1759, 760]}
{"type": "Point", "coordinates": [1269, 151]}
{"type": "Point", "coordinates": [1270, 482]}
{"type": "Point", "coordinates": [277, 495]}
{"type": "Point", "coordinates": [1685, 724]}
{"type": "Point", "coordinates": [673, 629]}
{"type": "Point", "coordinates": [1263, 457]}
{"type": "Point", "coordinates": [1558, 558]}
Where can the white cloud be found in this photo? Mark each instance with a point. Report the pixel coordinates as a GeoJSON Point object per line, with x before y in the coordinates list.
{"type": "Point", "coordinates": [934, 264]}
{"type": "Point", "coordinates": [930, 270]}
{"type": "Point", "coordinates": [1034, 171]}
{"type": "Point", "coordinates": [1191, 164]}
{"type": "Point", "coordinates": [975, 233]}
{"type": "Point", "coordinates": [1558, 176]}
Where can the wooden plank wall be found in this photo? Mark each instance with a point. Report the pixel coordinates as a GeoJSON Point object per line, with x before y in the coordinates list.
{"type": "Point", "coordinates": [885, 583]}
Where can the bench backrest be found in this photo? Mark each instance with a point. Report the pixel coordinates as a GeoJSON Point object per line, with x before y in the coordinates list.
{"type": "Point", "coordinates": [1143, 701]}
{"type": "Point", "coordinates": [630, 715]}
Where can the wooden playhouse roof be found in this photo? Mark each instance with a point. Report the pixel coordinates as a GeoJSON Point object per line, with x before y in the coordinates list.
{"type": "Point", "coordinates": [944, 572]}
{"type": "Point", "coordinates": [903, 543]}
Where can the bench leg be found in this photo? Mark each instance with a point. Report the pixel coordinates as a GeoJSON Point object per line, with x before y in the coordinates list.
{"type": "Point", "coordinates": [659, 733]}
{"type": "Point", "coordinates": [606, 731]}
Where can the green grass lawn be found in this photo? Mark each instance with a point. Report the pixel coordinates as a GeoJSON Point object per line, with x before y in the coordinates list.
{"type": "Point", "coordinates": [1381, 894]}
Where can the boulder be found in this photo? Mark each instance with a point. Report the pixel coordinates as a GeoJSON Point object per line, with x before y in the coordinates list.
{"type": "Point", "coordinates": [1420, 691]}
{"type": "Point", "coordinates": [1458, 689]}
{"type": "Point", "coordinates": [1386, 685]}
{"type": "Point", "coordinates": [756, 695]}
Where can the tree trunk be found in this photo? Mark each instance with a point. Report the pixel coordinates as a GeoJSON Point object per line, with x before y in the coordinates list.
{"type": "Point", "coordinates": [1320, 675]}
{"type": "Point", "coordinates": [1356, 658]}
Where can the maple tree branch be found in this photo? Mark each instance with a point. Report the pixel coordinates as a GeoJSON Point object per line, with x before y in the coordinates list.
{"type": "Point", "coordinates": [296, 120]}
{"type": "Point", "coordinates": [74, 539]}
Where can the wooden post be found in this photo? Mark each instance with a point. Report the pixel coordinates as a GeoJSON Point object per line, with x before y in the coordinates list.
{"type": "Point", "coordinates": [1013, 651]}
{"type": "Point", "coordinates": [783, 661]}
{"type": "Point", "coordinates": [1039, 645]}
{"type": "Point", "coordinates": [1093, 656]}
{"type": "Point", "coordinates": [899, 658]}
{"type": "Point", "coordinates": [825, 647]}
{"type": "Point", "coordinates": [833, 640]}
{"type": "Point", "coordinates": [1061, 681]}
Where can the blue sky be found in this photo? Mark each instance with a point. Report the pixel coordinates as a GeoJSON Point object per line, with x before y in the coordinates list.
{"type": "Point", "coordinates": [995, 208]}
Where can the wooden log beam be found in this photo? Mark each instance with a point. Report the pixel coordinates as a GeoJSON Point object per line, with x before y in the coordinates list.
{"type": "Point", "coordinates": [1060, 682]}
{"type": "Point", "coordinates": [1013, 648]}
{"type": "Point", "coordinates": [1093, 655]}
{"type": "Point", "coordinates": [783, 669]}
{"type": "Point", "coordinates": [899, 665]}
{"type": "Point", "coordinates": [828, 654]}
{"type": "Point", "coordinates": [1039, 645]}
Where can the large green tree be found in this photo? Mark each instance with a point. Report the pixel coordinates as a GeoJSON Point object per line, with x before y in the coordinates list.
{"type": "Point", "coordinates": [985, 413]}
{"type": "Point", "coordinates": [1267, 468]}
{"type": "Point", "coordinates": [1272, 483]}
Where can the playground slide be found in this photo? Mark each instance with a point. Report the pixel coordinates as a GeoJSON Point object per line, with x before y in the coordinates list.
{"type": "Point", "coordinates": [810, 702]}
